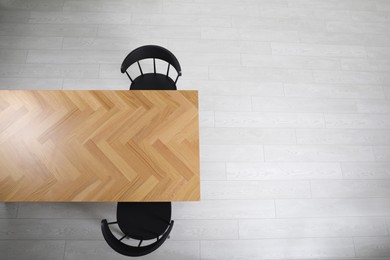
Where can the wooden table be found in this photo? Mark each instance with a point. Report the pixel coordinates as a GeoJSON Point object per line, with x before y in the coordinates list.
{"type": "Point", "coordinates": [99, 145]}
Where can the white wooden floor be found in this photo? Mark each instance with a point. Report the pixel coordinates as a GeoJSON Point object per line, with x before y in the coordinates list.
{"type": "Point", "coordinates": [295, 121]}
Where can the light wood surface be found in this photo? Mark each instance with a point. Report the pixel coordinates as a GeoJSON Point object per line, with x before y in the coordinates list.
{"type": "Point", "coordinates": [99, 145]}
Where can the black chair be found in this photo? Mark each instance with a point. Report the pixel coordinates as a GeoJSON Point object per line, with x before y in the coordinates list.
{"type": "Point", "coordinates": [151, 81]}
{"type": "Point", "coordinates": [140, 221]}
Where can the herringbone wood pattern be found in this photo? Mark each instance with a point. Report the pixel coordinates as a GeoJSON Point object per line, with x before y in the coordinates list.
{"type": "Point", "coordinates": [99, 146]}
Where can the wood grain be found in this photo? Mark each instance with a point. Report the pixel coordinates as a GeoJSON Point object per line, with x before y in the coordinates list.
{"type": "Point", "coordinates": [99, 146]}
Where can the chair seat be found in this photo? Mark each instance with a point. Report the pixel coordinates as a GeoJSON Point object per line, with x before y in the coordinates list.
{"type": "Point", "coordinates": [143, 220]}
{"type": "Point", "coordinates": [153, 81]}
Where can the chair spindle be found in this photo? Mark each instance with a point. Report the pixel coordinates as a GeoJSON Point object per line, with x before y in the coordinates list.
{"type": "Point", "coordinates": [129, 76]}
{"type": "Point", "coordinates": [139, 66]}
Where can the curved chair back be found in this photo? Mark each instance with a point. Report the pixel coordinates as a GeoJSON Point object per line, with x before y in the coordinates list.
{"type": "Point", "coordinates": [151, 52]}
{"type": "Point", "coordinates": [128, 250]}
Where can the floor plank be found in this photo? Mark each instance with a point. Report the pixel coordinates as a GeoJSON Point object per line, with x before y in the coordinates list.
{"type": "Point", "coordinates": [32, 249]}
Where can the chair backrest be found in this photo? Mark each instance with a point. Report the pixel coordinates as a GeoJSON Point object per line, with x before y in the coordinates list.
{"type": "Point", "coordinates": [151, 52]}
{"type": "Point", "coordinates": [129, 250]}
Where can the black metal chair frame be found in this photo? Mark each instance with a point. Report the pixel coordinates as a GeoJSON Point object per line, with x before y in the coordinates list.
{"type": "Point", "coordinates": [151, 52]}
{"type": "Point", "coordinates": [129, 250]}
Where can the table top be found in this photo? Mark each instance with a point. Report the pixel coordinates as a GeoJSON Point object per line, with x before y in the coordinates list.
{"type": "Point", "coordinates": [99, 145]}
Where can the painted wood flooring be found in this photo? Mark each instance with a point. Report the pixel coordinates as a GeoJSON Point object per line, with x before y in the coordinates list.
{"type": "Point", "coordinates": [294, 121]}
